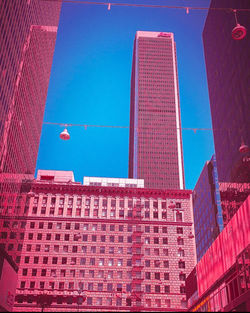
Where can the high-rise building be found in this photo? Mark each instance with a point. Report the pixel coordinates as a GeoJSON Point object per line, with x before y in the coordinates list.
{"type": "Point", "coordinates": [104, 248]}
{"type": "Point", "coordinates": [28, 30]}
{"type": "Point", "coordinates": [155, 145]}
{"type": "Point", "coordinates": [208, 220]}
{"type": "Point", "coordinates": [214, 205]}
{"type": "Point", "coordinates": [227, 64]}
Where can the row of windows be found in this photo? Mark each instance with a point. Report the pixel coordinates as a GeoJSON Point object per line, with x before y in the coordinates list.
{"type": "Point", "coordinates": [104, 212]}
{"type": "Point", "coordinates": [103, 227]}
{"type": "Point", "coordinates": [104, 202]}
{"type": "Point", "coordinates": [102, 249]}
{"type": "Point", "coordinates": [103, 238]}
{"type": "Point", "coordinates": [93, 227]}
{"type": "Point", "coordinates": [112, 301]}
{"type": "Point", "coordinates": [101, 261]}
{"type": "Point", "coordinates": [99, 274]}
{"type": "Point", "coordinates": [101, 287]}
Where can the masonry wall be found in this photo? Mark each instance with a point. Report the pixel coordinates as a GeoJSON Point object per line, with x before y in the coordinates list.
{"type": "Point", "coordinates": [126, 249]}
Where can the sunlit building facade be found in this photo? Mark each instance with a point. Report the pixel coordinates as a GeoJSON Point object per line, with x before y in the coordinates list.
{"type": "Point", "coordinates": [28, 30]}
{"type": "Point", "coordinates": [227, 63]}
{"type": "Point", "coordinates": [104, 248]}
{"type": "Point", "coordinates": [155, 145]}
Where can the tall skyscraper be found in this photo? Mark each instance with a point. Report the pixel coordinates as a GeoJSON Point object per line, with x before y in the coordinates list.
{"type": "Point", "coordinates": [155, 144]}
{"type": "Point", "coordinates": [120, 248]}
{"type": "Point", "coordinates": [227, 64]}
{"type": "Point", "coordinates": [28, 30]}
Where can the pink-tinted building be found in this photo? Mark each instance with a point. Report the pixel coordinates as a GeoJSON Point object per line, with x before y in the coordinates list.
{"type": "Point", "coordinates": [104, 248]}
{"type": "Point", "coordinates": [28, 30]}
{"type": "Point", "coordinates": [155, 145]}
{"type": "Point", "coordinates": [221, 280]}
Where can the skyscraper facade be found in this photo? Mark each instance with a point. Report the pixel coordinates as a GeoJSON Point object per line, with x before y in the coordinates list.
{"type": "Point", "coordinates": [208, 220]}
{"type": "Point", "coordinates": [227, 64]}
{"type": "Point", "coordinates": [155, 144]}
{"type": "Point", "coordinates": [104, 248]}
{"type": "Point", "coordinates": [28, 30]}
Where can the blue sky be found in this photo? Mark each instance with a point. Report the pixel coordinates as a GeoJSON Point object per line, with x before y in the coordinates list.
{"type": "Point", "coordinates": [90, 84]}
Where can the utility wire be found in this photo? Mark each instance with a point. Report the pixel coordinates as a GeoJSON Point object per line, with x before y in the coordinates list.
{"type": "Point", "coordinates": [150, 5]}
{"type": "Point", "coordinates": [126, 127]}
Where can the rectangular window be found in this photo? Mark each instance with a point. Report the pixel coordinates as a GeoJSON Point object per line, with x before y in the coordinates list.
{"type": "Point", "coordinates": [100, 287]}
{"type": "Point", "coordinates": [120, 238]}
{"type": "Point", "coordinates": [89, 300]}
{"type": "Point", "coordinates": [78, 211]}
{"type": "Point", "coordinates": [165, 241]}
{"type": "Point", "coordinates": [90, 286]}
{"type": "Point", "coordinates": [182, 277]}
{"type": "Point", "coordinates": [54, 260]}
{"type": "Point", "coordinates": [180, 241]}
{"type": "Point", "coordinates": [147, 263]}
{"type": "Point", "coordinates": [165, 252]}
{"type": "Point", "coordinates": [120, 262]}
{"type": "Point", "coordinates": [43, 272]}
{"type": "Point", "coordinates": [157, 263]}
{"type": "Point", "coordinates": [179, 230]}
{"type": "Point", "coordinates": [179, 217]}
{"type": "Point", "coordinates": [181, 264]}
{"type": "Point", "coordinates": [166, 276]}
{"type": "Point", "coordinates": [45, 260]}
{"type": "Point", "coordinates": [111, 250]}
{"type": "Point", "coordinates": [93, 249]}
{"type": "Point", "coordinates": [36, 259]}
{"type": "Point", "coordinates": [181, 253]}
{"type": "Point", "coordinates": [157, 276]}
{"type": "Point", "coordinates": [64, 260]}
{"type": "Point", "coordinates": [156, 229]}
{"type": "Point", "coordinates": [110, 274]}
{"type": "Point", "coordinates": [102, 249]}
{"type": "Point", "coordinates": [156, 240]}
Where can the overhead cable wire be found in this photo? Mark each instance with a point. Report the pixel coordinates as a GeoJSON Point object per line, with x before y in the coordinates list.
{"type": "Point", "coordinates": [109, 4]}
{"type": "Point", "coordinates": [125, 127]}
